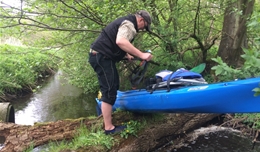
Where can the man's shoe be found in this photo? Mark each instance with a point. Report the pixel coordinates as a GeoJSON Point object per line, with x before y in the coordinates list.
{"type": "Point", "coordinates": [117, 129]}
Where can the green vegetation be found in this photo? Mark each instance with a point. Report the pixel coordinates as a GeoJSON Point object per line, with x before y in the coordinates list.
{"type": "Point", "coordinates": [185, 34]}
{"type": "Point", "coordinates": [257, 91]}
{"type": "Point", "coordinates": [132, 128]}
{"type": "Point", "coordinates": [249, 69]}
{"type": "Point", "coordinates": [30, 149]}
{"type": "Point", "coordinates": [73, 25]}
{"type": "Point", "coordinates": [22, 68]}
{"type": "Point", "coordinates": [94, 139]}
{"type": "Point", "coordinates": [251, 120]}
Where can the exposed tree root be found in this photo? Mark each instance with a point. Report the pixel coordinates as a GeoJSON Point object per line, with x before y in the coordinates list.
{"type": "Point", "coordinates": [238, 123]}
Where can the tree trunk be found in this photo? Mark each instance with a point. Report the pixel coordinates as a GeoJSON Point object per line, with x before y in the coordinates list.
{"type": "Point", "coordinates": [234, 31]}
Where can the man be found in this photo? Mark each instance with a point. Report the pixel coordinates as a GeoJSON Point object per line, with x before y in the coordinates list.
{"type": "Point", "coordinates": [112, 45]}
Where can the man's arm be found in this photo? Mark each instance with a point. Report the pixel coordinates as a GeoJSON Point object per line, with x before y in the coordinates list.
{"type": "Point", "coordinates": [126, 33]}
{"type": "Point", "coordinates": [128, 47]}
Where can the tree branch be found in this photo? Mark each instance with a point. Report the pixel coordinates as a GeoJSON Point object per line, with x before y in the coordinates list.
{"type": "Point", "coordinates": [196, 18]}
{"type": "Point", "coordinates": [73, 8]}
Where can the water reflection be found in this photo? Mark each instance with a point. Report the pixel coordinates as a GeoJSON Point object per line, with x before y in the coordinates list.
{"type": "Point", "coordinates": [55, 101]}
{"type": "Point", "coordinates": [2, 140]}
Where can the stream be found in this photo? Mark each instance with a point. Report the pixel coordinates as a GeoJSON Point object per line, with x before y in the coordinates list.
{"type": "Point", "coordinates": [55, 101]}
{"type": "Point", "coordinates": [58, 100]}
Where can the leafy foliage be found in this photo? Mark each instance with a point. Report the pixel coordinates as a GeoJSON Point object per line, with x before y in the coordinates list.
{"type": "Point", "coordinates": [257, 91]}
{"type": "Point", "coordinates": [21, 67]}
{"type": "Point", "coordinates": [182, 31]}
{"type": "Point", "coordinates": [254, 29]}
{"type": "Point", "coordinates": [132, 128]}
{"type": "Point", "coordinates": [224, 71]}
{"type": "Point", "coordinates": [249, 69]}
{"type": "Point", "coordinates": [251, 120]}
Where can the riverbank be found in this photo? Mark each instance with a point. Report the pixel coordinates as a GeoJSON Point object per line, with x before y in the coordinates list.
{"type": "Point", "coordinates": [155, 131]}
{"type": "Point", "coordinates": [154, 134]}
{"type": "Point", "coordinates": [22, 71]}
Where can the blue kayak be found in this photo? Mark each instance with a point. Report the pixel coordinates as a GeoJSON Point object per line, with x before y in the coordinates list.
{"type": "Point", "coordinates": [226, 97]}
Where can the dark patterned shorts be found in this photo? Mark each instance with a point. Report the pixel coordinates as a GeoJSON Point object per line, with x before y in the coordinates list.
{"type": "Point", "coordinates": [108, 77]}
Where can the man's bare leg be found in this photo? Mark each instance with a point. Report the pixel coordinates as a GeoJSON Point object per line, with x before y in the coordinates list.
{"type": "Point", "coordinates": [107, 115]}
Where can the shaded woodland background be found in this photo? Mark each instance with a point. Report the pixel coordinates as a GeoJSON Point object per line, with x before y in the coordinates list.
{"type": "Point", "coordinates": [184, 33]}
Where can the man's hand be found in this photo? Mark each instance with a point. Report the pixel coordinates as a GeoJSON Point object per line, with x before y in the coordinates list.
{"type": "Point", "coordinates": [146, 56]}
{"type": "Point", "coordinates": [129, 57]}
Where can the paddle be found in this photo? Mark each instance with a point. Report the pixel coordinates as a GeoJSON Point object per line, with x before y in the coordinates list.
{"type": "Point", "coordinates": [138, 74]}
{"type": "Point", "coordinates": [139, 71]}
{"type": "Point", "coordinates": [199, 68]}
{"type": "Point", "coordinates": [153, 62]}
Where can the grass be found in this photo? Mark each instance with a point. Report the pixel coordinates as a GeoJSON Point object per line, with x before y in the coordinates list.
{"type": "Point", "coordinates": [86, 139]}
{"type": "Point", "coordinates": [93, 138]}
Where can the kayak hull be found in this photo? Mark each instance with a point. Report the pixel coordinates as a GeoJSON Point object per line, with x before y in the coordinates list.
{"type": "Point", "coordinates": [227, 97]}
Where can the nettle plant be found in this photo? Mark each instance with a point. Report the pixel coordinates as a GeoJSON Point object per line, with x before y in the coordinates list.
{"type": "Point", "coordinates": [248, 70]}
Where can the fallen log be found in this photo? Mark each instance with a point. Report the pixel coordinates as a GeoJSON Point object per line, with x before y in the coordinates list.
{"type": "Point", "coordinates": [21, 137]}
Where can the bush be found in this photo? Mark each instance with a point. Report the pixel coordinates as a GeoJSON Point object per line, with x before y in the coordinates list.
{"type": "Point", "coordinates": [20, 67]}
